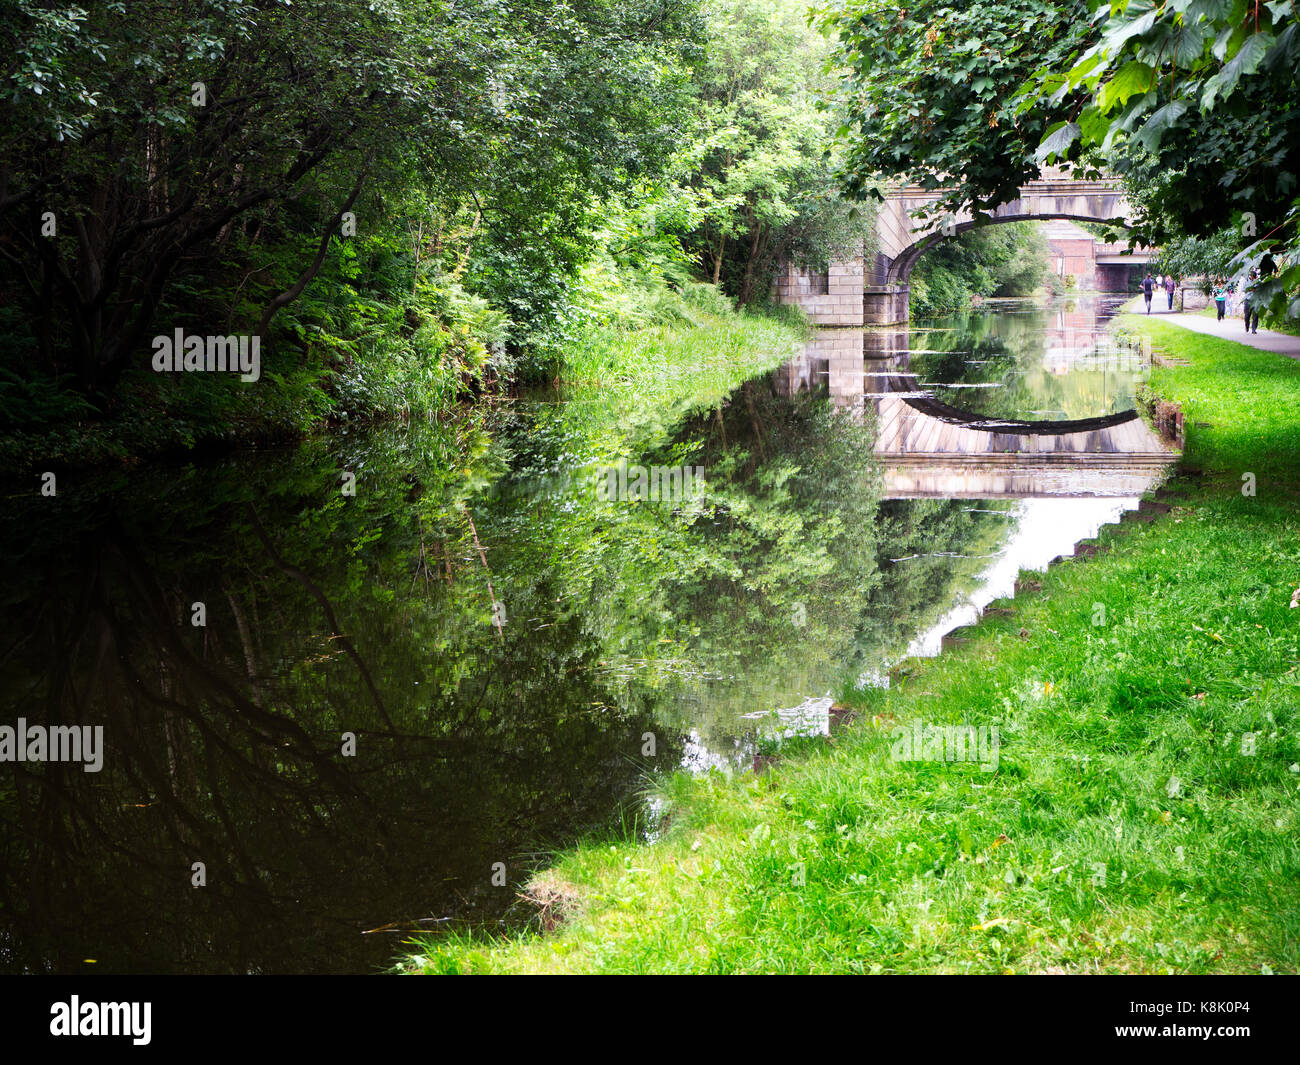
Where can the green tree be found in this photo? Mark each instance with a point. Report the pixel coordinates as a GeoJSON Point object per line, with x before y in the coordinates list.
{"type": "Point", "coordinates": [162, 138]}
{"type": "Point", "coordinates": [1196, 101]}
{"type": "Point", "coordinates": [1209, 256]}
{"type": "Point", "coordinates": [1193, 101]}
{"type": "Point", "coordinates": [928, 90]}
{"type": "Point", "coordinates": [762, 165]}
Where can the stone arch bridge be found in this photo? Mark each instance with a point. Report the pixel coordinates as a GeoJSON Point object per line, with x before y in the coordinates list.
{"type": "Point", "coordinates": [874, 291]}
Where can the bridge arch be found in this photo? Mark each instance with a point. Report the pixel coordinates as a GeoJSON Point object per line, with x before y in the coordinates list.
{"type": "Point", "coordinates": [899, 272]}
{"type": "Point", "coordinates": [874, 290]}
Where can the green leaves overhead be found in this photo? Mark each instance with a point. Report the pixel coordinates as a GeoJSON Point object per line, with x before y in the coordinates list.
{"type": "Point", "coordinates": [1247, 60]}
{"type": "Point", "coordinates": [1198, 99]}
{"type": "Point", "coordinates": [1153, 129]}
{"type": "Point", "coordinates": [930, 91]}
{"type": "Point", "coordinates": [1193, 51]}
{"type": "Point", "coordinates": [1058, 140]}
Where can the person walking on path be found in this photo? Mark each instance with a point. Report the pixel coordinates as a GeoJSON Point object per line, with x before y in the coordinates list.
{"type": "Point", "coordinates": [1220, 297]}
{"type": "Point", "coordinates": [1148, 287]}
{"type": "Point", "coordinates": [1251, 304]}
{"type": "Point", "coordinates": [1169, 290]}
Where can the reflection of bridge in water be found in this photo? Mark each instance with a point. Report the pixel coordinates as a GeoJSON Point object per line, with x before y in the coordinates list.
{"type": "Point", "coordinates": [930, 449]}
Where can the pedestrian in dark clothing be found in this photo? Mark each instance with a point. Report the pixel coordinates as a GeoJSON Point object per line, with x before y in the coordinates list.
{"type": "Point", "coordinates": [1148, 287]}
{"type": "Point", "coordinates": [1252, 304]}
{"type": "Point", "coordinates": [1169, 290]}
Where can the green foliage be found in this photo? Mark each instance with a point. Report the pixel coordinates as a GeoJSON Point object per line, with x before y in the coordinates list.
{"type": "Point", "coordinates": [515, 176]}
{"type": "Point", "coordinates": [1195, 103]}
{"type": "Point", "coordinates": [199, 159]}
{"type": "Point", "coordinates": [760, 167]}
{"type": "Point", "coordinates": [1010, 259]}
{"type": "Point", "coordinates": [1210, 256]}
{"type": "Point", "coordinates": [27, 404]}
{"type": "Point", "coordinates": [1192, 101]}
{"type": "Point", "coordinates": [929, 92]}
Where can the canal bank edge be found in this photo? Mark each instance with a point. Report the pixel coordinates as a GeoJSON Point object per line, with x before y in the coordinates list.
{"type": "Point", "coordinates": [1146, 695]}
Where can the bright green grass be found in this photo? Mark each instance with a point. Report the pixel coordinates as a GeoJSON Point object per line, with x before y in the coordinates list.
{"type": "Point", "coordinates": [1128, 691]}
{"type": "Point", "coordinates": [702, 348]}
{"type": "Point", "coordinates": [1245, 400]}
{"type": "Point", "coordinates": [625, 390]}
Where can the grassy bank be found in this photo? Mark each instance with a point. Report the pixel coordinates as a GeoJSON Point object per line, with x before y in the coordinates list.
{"type": "Point", "coordinates": [695, 349]}
{"type": "Point", "coordinates": [1142, 816]}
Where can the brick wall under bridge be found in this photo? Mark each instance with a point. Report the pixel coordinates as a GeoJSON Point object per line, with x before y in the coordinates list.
{"type": "Point", "coordinates": [875, 290]}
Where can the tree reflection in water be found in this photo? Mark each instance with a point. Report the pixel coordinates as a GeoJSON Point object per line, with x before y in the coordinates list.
{"type": "Point", "coordinates": [474, 744]}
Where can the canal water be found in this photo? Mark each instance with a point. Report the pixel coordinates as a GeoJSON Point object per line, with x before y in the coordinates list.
{"type": "Point", "coordinates": [359, 688]}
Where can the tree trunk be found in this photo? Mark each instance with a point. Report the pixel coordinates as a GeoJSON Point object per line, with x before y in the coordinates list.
{"type": "Point", "coordinates": [746, 288]}
{"type": "Point", "coordinates": [292, 293]}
